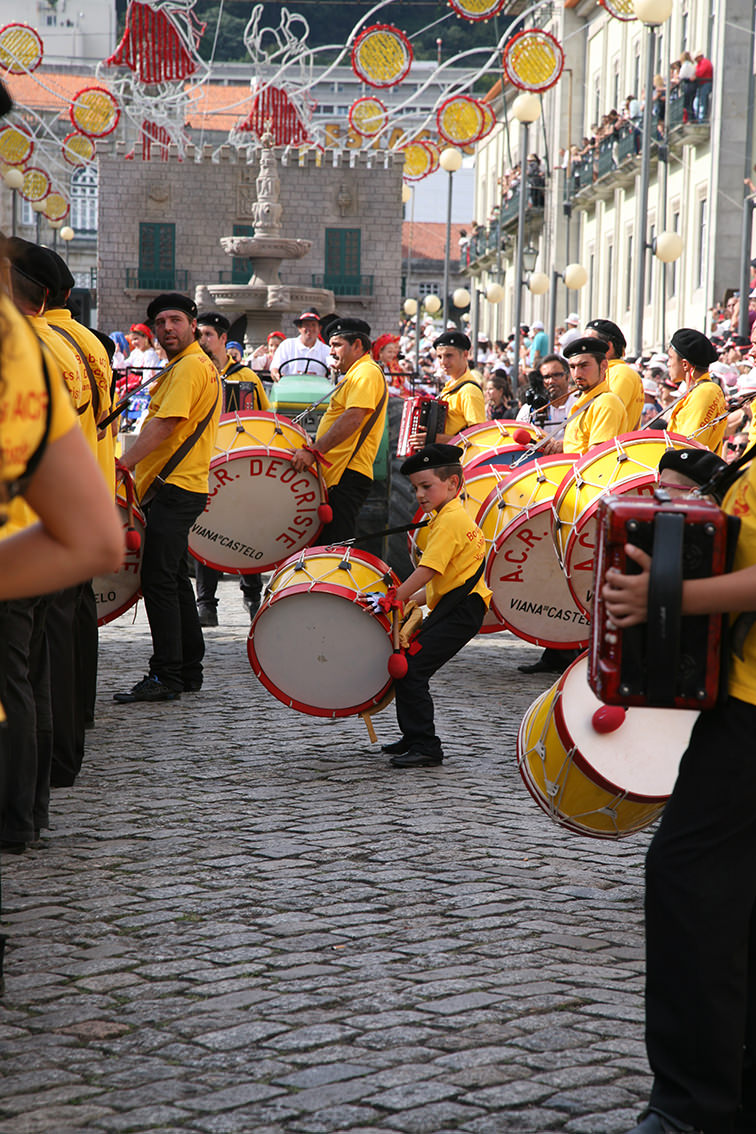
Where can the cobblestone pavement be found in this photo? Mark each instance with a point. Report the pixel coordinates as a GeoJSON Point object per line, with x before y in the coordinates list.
{"type": "Point", "coordinates": [243, 920]}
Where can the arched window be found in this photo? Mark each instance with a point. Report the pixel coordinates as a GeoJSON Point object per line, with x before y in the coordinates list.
{"type": "Point", "coordinates": [84, 200]}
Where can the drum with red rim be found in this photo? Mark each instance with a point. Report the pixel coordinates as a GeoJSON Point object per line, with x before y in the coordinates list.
{"type": "Point", "coordinates": [530, 595]}
{"type": "Point", "coordinates": [476, 439]}
{"type": "Point", "coordinates": [315, 644]}
{"type": "Point", "coordinates": [260, 510]}
{"type": "Point", "coordinates": [598, 769]}
{"type": "Point", "coordinates": [117, 592]}
{"type": "Point", "coordinates": [628, 464]}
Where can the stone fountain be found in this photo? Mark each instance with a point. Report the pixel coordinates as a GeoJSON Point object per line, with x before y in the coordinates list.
{"type": "Point", "coordinates": [264, 299]}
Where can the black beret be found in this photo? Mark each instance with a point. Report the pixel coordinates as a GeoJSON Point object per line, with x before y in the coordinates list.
{"type": "Point", "coordinates": [453, 339]}
{"type": "Point", "coordinates": [587, 345]}
{"type": "Point", "coordinates": [608, 330]}
{"type": "Point", "coordinates": [215, 320]}
{"type": "Point", "coordinates": [433, 456]}
{"type": "Point", "coordinates": [172, 301]}
{"type": "Point", "coordinates": [349, 326]}
{"type": "Point", "coordinates": [326, 323]}
{"type": "Point", "coordinates": [694, 347]}
{"type": "Point", "coordinates": [34, 262]}
{"type": "Point", "coordinates": [700, 465]}
{"type": "Point", "coordinates": [106, 341]}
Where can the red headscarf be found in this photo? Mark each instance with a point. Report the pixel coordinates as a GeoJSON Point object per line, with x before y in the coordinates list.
{"type": "Point", "coordinates": [381, 342]}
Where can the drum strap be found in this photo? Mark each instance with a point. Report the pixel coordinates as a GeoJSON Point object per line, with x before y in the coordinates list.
{"type": "Point", "coordinates": [82, 355]}
{"type": "Point", "coordinates": [369, 424]}
{"type": "Point", "coordinates": [452, 599]}
{"type": "Point", "coordinates": [183, 449]}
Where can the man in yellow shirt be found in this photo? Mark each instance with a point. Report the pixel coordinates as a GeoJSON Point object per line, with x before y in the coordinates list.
{"type": "Point", "coordinates": [623, 380]}
{"type": "Point", "coordinates": [171, 460]}
{"type": "Point", "coordinates": [464, 398]}
{"type": "Point", "coordinates": [350, 430]}
{"type": "Point", "coordinates": [598, 414]}
{"type": "Point", "coordinates": [212, 329]}
{"type": "Point", "coordinates": [701, 413]}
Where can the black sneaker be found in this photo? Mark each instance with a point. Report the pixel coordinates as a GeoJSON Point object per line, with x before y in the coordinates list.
{"type": "Point", "coordinates": [208, 615]}
{"type": "Point", "coordinates": [148, 689]}
{"type": "Point", "coordinates": [416, 758]}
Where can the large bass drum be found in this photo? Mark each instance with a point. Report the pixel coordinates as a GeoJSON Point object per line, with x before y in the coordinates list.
{"type": "Point", "coordinates": [315, 644]}
{"type": "Point", "coordinates": [606, 775]}
{"type": "Point", "coordinates": [118, 591]}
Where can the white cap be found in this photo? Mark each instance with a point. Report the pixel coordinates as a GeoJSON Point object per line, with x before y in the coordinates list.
{"type": "Point", "coordinates": [650, 387]}
{"type": "Point", "coordinates": [659, 360]}
{"type": "Point", "coordinates": [537, 326]}
{"type": "Point", "coordinates": [573, 318]}
{"type": "Point", "coordinates": [747, 382]}
{"type": "Point", "coordinates": [728, 374]}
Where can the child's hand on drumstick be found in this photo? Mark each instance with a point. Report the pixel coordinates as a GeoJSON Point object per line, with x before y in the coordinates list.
{"type": "Point", "coordinates": [626, 596]}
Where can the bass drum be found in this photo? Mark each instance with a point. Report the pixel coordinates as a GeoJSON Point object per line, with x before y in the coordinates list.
{"type": "Point", "coordinates": [597, 769]}
{"type": "Point", "coordinates": [530, 595]}
{"type": "Point", "coordinates": [499, 435]}
{"type": "Point", "coordinates": [119, 591]}
{"type": "Point", "coordinates": [315, 644]}
{"type": "Point", "coordinates": [629, 464]}
{"type": "Point", "coordinates": [259, 509]}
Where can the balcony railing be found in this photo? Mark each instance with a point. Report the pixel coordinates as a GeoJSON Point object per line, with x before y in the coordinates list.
{"type": "Point", "coordinates": [139, 279]}
{"type": "Point", "coordinates": [488, 241]}
{"type": "Point", "coordinates": [345, 285]}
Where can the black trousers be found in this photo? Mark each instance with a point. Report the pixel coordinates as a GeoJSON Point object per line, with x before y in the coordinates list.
{"type": "Point", "coordinates": [346, 498]}
{"type": "Point", "coordinates": [72, 641]}
{"type": "Point", "coordinates": [439, 642]}
{"type": "Point", "coordinates": [701, 928]}
{"type": "Point", "coordinates": [177, 643]}
{"type": "Point", "coordinates": [207, 578]}
{"type": "Point", "coordinates": [26, 744]}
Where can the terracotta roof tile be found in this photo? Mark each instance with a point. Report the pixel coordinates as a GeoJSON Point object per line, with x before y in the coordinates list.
{"type": "Point", "coordinates": [429, 239]}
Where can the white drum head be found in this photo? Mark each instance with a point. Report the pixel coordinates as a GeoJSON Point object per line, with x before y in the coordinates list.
{"type": "Point", "coordinates": [530, 593]}
{"type": "Point", "coordinates": [116, 592]}
{"type": "Point", "coordinates": [259, 512]}
{"type": "Point", "coordinates": [641, 757]}
{"type": "Point", "coordinates": [320, 653]}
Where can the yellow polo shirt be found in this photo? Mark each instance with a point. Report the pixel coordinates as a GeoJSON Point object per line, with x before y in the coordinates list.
{"type": "Point", "coordinates": [465, 406]}
{"type": "Point", "coordinates": [23, 407]}
{"type": "Point", "coordinates": [626, 384]}
{"type": "Point", "coordinates": [363, 387]}
{"type": "Point", "coordinates": [246, 374]}
{"type": "Point", "coordinates": [740, 501]}
{"type": "Point", "coordinates": [455, 549]}
{"type": "Point", "coordinates": [90, 347]}
{"type": "Point", "coordinates": [602, 419]}
{"type": "Point", "coordinates": [187, 391]}
{"type": "Point", "coordinates": [74, 376]}
{"type": "Point", "coordinates": [695, 413]}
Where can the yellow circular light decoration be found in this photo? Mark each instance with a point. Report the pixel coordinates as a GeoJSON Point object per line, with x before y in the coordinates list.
{"type": "Point", "coordinates": [94, 111]}
{"type": "Point", "coordinates": [36, 184]}
{"type": "Point", "coordinates": [460, 120]}
{"type": "Point", "coordinates": [477, 9]}
{"type": "Point", "coordinates": [57, 207]}
{"type": "Point", "coordinates": [489, 120]}
{"type": "Point", "coordinates": [16, 146]}
{"type": "Point", "coordinates": [620, 9]}
{"type": "Point", "coordinates": [435, 153]}
{"type": "Point", "coordinates": [533, 60]}
{"type": "Point", "coordinates": [418, 161]}
{"type": "Point", "coordinates": [368, 116]}
{"type": "Point", "coordinates": [381, 56]}
{"type": "Point", "coordinates": [78, 149]}
{"type": "Point", "coordinates": [21, 49]}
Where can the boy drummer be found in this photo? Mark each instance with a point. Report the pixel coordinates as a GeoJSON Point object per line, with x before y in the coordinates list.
{"type": "Point", "coordinates": [450, 581]}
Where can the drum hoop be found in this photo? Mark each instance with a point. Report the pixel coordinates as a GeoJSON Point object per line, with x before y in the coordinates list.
{"type": "Point", "coordinates": [257, 415]}
{"type": "Point", "coordinates": [577, 526]}
{"type": "Point", "coordinates": [515, 477]}
{"type": "Point", "coordinates": [580, 760]}
{"type": "Point", "coordinates": [339, 551]}
{"type": "Point", "coordinates": [232, 455]}
{"type": "Point", "coordinates": [292, 702]}
{"type": "Point", "coordinates": [121, 609]}
{"type": "Point", "coordinates": [570, 644]}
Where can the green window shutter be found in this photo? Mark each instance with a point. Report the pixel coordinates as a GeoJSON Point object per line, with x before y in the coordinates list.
{"type": "Point", "coordinates": [342, 260]}
{"type": "Point", "coordinates": [242, 265]}
{"type": "Point", "coordinates": [157, 256]}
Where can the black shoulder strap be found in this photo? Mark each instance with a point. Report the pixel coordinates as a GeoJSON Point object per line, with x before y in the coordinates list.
{"type": "Point", "coordinates": [370, 422]}
{"type": "Point", "coordinates": [234, 369]}
{"type": "Point", "coordinates": [85, 363]}
{"type": "Point", "coordinates": [452, 599]}
{"type": "Point", "coordinates": [177, 457]}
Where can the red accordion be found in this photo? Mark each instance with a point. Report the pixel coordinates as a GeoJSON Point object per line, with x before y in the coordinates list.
{"type": "Point", "coordinates": [671, 660]}
{"type": "Point", "coordinates": [422, 412]}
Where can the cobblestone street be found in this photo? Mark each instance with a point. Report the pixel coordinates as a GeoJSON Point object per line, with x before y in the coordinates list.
{"type": "Point", "coordinates": [244, 921]}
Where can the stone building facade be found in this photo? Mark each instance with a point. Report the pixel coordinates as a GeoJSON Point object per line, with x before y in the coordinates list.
{"type": "Point", "coordinates": [160, 224]}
